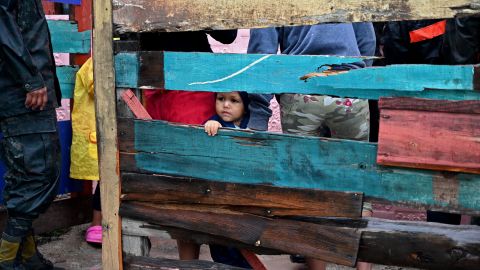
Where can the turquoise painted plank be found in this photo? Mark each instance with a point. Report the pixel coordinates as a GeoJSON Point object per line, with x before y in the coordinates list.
{"type": "Point", "coordinates": [281, 74]}
{"type": "Point", "coordinates": [289, 161]}
{"type": "Point", "coordinates": [67, 39]}
{"type": "Point", "coordinates": [126, 70]}
{"type": "Point", "coordinates": [66, 77]}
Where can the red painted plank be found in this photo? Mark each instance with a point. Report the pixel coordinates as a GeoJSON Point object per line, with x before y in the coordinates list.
{"type": "Point", "coordinates": [135, 105]}
{"type": "Point", "coordinates": [83, 15]}
{"type": "Point", "coordinates": [48, 7]}
{"type": "Point", "coordinates": [430, 140]}
{"type": "Point", "coordinates": [431, 105]}
{"type": "Point", "coordinates": [253, 260]}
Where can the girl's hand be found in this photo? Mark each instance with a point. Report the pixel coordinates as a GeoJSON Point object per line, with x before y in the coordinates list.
{"type": "Point", "coordinates": [211, 127]}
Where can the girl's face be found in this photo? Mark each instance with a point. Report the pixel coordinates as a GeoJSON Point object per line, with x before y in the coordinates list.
{"type": "Point", "coordinates": [229, 107]}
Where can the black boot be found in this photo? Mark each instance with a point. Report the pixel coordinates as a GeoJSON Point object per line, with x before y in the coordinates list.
{"type": "Point", "coordinates": [31, 258]}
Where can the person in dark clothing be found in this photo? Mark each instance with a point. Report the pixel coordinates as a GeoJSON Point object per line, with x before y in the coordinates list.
{"type": "Point", "coordinates": [413, 42]}
{"type": "Point", "coordinates": [461, 44]}
{"type": "Point", "coordinates": [29, 94]}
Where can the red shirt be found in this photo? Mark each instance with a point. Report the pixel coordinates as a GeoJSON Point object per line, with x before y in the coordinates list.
{"type": "Point", "coordinates": [180, 106]}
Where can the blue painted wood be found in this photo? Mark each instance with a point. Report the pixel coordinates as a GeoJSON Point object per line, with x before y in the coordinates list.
{"type": "Point", "coordinates": [67, 39]}
{"type": "Point", "coordinates": [289, 161]}
{"type": "Point", "coordinates": [66, 76]}
{"type": "Point", "coordinates": [282, 73]}
{"type": "Point", "coordinates": [126, 70]}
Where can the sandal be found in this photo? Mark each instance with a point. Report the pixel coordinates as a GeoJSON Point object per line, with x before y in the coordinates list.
{"type": "Point", "coordinates": [94, 235]}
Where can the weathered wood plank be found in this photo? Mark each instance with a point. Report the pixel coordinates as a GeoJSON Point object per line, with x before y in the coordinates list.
{"type": "Point", "coordinates": [142, 263]}
{"type": "Point", "coordinates": [256, 73]}
{"type": "Point", "coordinates": [67, 39]}
{"type": "Point", "coordinates": [430, 140]}
{"type": "Point", "coordinates": [413, 244]}
{"type": "Point", "coordinates": [420, 244]}
{"type": "Point", "coordinates": [286, 161]}
{"type": "Point", "coordinates": [66, 77]}
{"type": "Point", "coordinates": [417, 104]}
{"type": "Point", "coordinates": [143, 228]}
{"type": "Point", "coordinates": [183, 15]}
{"type": "Point", "coordinates": [333, 244]}
{"type": "Point", "coordinates": [61, 214]}
{"type": "Point", "coordinates": [270, 201]}
{"type": "Point", "coordinates": [104, 74]}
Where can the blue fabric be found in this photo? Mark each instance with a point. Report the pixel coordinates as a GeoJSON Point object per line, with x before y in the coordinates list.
{"type": "Point", "coordinates": [228, 255]}
{"type": "Point", "coordinates": [366, 40]}
{"type": "Point", "coordinates": [259, 111]}
{"type": "Point", "coordinates": [243, 123]}
{"type": "Point", "coordinates": [74, 2]}
{"type": "Point", "coordinates": [341, 39]}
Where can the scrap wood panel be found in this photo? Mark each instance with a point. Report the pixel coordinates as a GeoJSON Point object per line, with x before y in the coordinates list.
{"type": "Point", "coordinates": [184, 15]}
{"type": "Point", "coordinates": [141, 263]}
{"type": "Point", "coordinates": [414, 244]}
{"type": "Point", "coordinates": [201, 214]}
{"type": "Point", "coordinates": [257, 73]}
{"type": "Point", "coordinates": [431, 134]}
{"type": "Point", "coordinates": [263, 200]}
{"type": "Point", "coordinates": [330, 243]}
{"type": "Point", "coordinates": [288, 161]}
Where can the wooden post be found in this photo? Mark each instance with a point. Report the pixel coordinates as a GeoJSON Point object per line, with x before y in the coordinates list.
{"type": "Point", "coordinates": [107, 134]}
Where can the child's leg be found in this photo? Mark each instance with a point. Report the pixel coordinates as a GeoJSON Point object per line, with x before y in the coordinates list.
{"type": "Point", "coordinates": [188, 250]}
{"type": "Point", "coordinates": [97, 208]}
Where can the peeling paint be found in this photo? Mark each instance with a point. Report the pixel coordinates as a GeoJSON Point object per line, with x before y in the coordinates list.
{"type": "Point", "coordinates": [235, 73]}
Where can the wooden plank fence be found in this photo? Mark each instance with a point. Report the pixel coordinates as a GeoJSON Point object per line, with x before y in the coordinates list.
{"type": "Point", "coordinates": [214, 194]}
{"type": "Point", "coordinates": [184, 15]}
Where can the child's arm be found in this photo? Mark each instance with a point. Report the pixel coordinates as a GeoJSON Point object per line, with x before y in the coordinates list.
{"type": "Point", "coordinates": [211, 127]}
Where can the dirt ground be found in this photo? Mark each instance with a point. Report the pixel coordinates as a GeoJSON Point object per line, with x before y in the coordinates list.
{"type": "Point", "coordinates": [67, 249]}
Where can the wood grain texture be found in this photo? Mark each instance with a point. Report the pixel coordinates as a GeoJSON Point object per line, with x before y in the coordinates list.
{"type": "Point", "coordinates": [414, 244]}
{"type": "Point", "coordinates": [417, 104]}
{"type": "Point", "coordinates": [67, 39]}
{"type": "Point", "coordinates": [420, 244]}
{"type": "Point", "coordinates": [333, 244]}
{"type": "Point", "coordinates": [256, 73]}
{"type": "Point", "coordinates": [105, 102]}
{"type": "Point", "coordinates": [282, 160]}
{"type": "Point", "coordinates": [183, 15]}
{"type": "Point", "coordinates": [430, 140]}
{"type": "Point", "coordinates": [141, 263]}
{"type": "Point", "coordinates": [265, 200]}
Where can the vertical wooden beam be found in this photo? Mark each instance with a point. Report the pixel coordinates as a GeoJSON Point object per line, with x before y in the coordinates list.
{"type": "Point", "coordinates": [104, 75]}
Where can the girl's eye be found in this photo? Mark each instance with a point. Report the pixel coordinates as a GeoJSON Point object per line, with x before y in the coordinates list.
{"type": "Point", "coordinates": [220, 98]}
{"type": "Point", "coordinates": [235, 101]}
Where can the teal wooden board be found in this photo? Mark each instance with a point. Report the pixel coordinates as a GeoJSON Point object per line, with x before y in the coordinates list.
{"type": "Point", "coordinates": [281, 74]}
{"type": "Point", "coordinates": [126, 70]}
{"type": "Point", "coordinates": [67, 39]}
{"type": "Point", "coordinates": [66, 77]}
{"type": "Point", "coordinates": [290, 161]}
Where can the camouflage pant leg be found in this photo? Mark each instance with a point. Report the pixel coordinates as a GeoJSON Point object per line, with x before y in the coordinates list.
{"type": "Point", "coordinates": [31, 152]}
{"type": "Point", "coordinates": [312, 115]}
